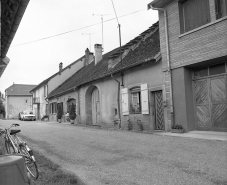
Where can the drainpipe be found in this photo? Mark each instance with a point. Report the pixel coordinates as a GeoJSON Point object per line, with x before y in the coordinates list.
{"type": "Point", "coordinates": [118, 100]}
{"type": "Point", "coordinates": [168, 62]}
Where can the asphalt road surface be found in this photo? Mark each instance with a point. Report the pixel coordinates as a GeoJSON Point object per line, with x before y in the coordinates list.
{"type": "Point", "coordinates": [127, 158]}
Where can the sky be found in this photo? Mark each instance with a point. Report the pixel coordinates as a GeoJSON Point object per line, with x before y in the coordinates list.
{"type": "Point", "coordinates": [54, 31]}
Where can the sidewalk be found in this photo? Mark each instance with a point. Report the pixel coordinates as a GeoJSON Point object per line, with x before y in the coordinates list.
{"type": "Point", "coordinates": [210, 135]}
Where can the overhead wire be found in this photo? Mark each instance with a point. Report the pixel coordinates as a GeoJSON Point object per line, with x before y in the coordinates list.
{"type": "Point", "coordinates": [63, 33]}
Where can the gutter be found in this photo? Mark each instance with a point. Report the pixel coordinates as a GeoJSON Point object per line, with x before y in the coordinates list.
{"type": "Point", "coordinates": [118, 101]}
{"type": "Point", "coordinates": [168, 60]}
{"type": "Point", "coordinates": [20, 12]}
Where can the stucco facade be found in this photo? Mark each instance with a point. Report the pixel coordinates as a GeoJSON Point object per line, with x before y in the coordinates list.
{"type": "Point", "coordinates": [64, 99]}
{"type": "Point", "coordinates": [59, 78]}
{"type": "Point", "coordinates": [39, 102]}
{"type": "Point", "coordinates": [16, 104]}
{"type": "Point", "coordinates": [47, 86]}
{"type": "Point", "coordinates": [150, 74]}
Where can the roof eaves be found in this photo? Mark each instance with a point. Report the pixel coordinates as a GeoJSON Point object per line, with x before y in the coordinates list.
{"type": "Point", "coordinates": [61, 93]}
{"type": "Point", "coordinates": [152, 59]}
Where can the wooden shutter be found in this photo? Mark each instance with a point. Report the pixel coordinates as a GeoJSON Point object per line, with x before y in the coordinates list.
{"type": "Point", "coordinates": [124, 96]}
{"type": "Point", "coordinates": [144, 99]}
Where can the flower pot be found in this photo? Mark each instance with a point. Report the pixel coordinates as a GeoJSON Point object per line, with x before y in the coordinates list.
{"type": "Point", "coordinates": [72, 121]}
{"type": "Point", "coordinates": [180, 131]}
{"type": "Point", "coordinates": [45, 119]}
{"type": "Point", "coordinates": [59, 120]}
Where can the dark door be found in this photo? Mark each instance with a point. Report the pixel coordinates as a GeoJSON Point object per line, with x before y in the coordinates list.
{"type": "Point", "coordinates": [159, 112]}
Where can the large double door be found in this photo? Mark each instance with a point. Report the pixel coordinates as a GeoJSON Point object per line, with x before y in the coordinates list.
{"type": "Point", "coordinates": [211, 103]}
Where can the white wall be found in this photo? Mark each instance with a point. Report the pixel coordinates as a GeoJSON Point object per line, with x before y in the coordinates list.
{"type": "Point", "coordinates": [64, 75]}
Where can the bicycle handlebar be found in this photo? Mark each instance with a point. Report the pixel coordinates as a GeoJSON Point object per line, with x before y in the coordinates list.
{"type": "Point", "coordinates": [15, 124]}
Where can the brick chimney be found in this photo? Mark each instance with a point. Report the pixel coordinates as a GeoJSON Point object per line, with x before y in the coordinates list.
{"type": "Point", "coordinates": [88, 57]}
{"type": "Point", "coordinates": [98, 53]}
{"type": "Point", "coordinates": [60, 66]}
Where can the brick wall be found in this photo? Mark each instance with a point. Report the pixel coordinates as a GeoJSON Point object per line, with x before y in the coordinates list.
{"type": "Point", "coordinates": [197, 46]}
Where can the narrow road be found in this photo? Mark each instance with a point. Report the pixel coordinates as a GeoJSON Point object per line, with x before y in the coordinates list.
{"type": "Point", "coordinates": [126, 158]}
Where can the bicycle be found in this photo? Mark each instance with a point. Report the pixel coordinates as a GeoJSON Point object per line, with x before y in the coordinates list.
{"type": "Point", "coordinates": [15, 145]}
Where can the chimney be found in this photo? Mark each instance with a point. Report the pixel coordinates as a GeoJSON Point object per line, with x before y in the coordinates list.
{"type": "Point", "coordinates": [60, 66]}
{"type": "Point", "coordinates": [89, 57]}
{"type": "Point", "coordinates": [98, 53]}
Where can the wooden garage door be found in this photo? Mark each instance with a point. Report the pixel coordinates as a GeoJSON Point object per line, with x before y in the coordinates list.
{"type": "Point", "coordinates": [211, 103]}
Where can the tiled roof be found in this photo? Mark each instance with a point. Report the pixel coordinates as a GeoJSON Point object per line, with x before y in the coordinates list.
{"type": "Point", "coordinates": [140, 50]}
{"type": "Point", "coordinates": [19, 89]}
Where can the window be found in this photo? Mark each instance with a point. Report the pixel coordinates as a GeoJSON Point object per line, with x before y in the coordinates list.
{"type": "Point", "coordinates": [209, 71]}
{"type": "Point", "coordinates": [221, 8]}
{"type": "Point", "coordinates": [59, 106]}
{"type": "Point", "coordinates": [202, 72]}
{"type": "Point", "coordinates": [135, 100]}
{"type": "Point", "coordinates": [70, 102]}
{"type": "Point", "coordinates": [53, 108]}
{"type": "Point", "coordinates": [135, 106]}
{"type": "Point", "coordinates": [217, 69]}
{"type": "Point", "coordinates": [193, 14]}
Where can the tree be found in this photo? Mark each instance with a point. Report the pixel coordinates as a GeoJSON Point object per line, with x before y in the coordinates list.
{"type": "Point", "coordinates": [72, 112]}
{"type": "Point", "coordinates": [2, 108]}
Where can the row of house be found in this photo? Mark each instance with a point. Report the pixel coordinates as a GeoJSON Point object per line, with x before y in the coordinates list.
{"type": "Point", "coordinates": [174, 73]}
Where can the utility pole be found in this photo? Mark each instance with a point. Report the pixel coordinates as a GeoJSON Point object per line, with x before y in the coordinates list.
{"type": "Point", "coordinates": [102, 26]}
{"type": "Point", "coordinates": [89, 39]}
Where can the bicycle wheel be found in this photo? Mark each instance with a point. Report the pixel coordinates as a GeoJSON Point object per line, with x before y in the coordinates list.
{"type": "Point", "coordinates": [29, 161]}
{"type": "Point", "coordinates": [9, 147]}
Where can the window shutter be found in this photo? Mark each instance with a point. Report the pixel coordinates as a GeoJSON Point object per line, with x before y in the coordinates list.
{"type": "Point", "coordinates": [144, 99]}
{"type": "Point", "coordinates": [47, 109]}
{"type": "Point", "coordinates": [124, 95]}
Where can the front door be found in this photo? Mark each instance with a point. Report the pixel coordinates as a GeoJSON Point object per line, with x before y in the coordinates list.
{"type": "Point", "coordinates": [158, 110]}
{"type": "Point", "coordinates": [95, 107]}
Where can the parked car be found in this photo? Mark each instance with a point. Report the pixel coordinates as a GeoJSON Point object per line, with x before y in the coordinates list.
{"type": "Point", "coordinates": [27, 115]}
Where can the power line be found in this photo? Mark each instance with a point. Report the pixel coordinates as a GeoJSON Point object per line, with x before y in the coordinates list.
{"type": "Point", "coordinates": [63, 33]}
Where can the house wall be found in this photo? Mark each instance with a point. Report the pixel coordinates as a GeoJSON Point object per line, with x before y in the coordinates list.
{"type": "Point", "coordinates": [108, 89]}
{"type": "Point", "coordinates": [54, 82]}
{"type": "Point", "coordinates": [64, 98]}
{"type": "Point", "coordinates": [199, 46]}
{"type": "Point", "coordinates": [152, 75]}
{"type": "Point", "coordinates": [183, 98]}
{"type": "Point", "coordinates": [195, 46]}
{"type": "Point", "coordinates": [16, 104]}
{"type": "Point", "coordinates": [42, 106]}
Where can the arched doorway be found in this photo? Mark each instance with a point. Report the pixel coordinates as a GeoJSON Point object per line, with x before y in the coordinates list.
{"type": "Point", "coordinates": [92, 106]}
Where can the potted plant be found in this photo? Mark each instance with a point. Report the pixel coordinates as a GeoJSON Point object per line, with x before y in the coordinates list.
{"type": "Point", "coordinates": [59, 115]}
{"type": "Point", "coordinates": [72, 114]}
{"type": "Point", "coordinates": [177, 129]}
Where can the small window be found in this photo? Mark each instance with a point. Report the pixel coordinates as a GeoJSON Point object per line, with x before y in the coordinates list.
{"type": "Point", "coordinates": [202, 72]}
{"type": "Point", "coordinates": [217, 69]}
{"type": "Point", "coordinates": [135, 106]}
{"type": "Point", "coordinates": [221, 8]}
{"type": "Point", "coordinates": [193, 14]}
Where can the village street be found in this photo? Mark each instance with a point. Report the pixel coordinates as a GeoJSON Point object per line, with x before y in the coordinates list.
{"type": "Point", "coordinates": [121, 157]}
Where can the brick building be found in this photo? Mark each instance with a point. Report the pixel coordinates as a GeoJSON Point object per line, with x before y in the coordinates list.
{"type": "Point", "coordinates": [193, 40]}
